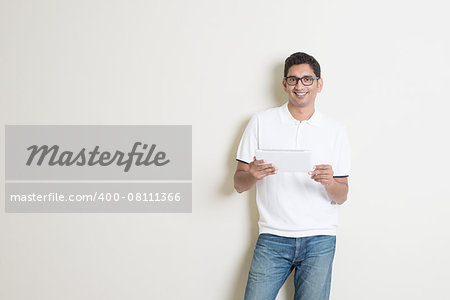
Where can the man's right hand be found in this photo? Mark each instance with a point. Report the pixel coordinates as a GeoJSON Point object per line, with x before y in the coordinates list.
{"type": "Point", "coordinates": [259, 169]}
{"type": "Point", "coordinates": [246, 175]}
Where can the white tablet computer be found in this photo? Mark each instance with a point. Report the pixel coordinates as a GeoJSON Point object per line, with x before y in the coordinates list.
{"type": "Point", "coordinates": [287, 160]}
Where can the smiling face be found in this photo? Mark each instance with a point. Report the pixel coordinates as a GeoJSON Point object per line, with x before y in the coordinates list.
{"type": "Point", "coordinates": [300, 95]}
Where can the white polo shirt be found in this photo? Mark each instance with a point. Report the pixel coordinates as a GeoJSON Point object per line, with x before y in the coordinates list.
{"type": "Point", "coordinates": [292, 204]}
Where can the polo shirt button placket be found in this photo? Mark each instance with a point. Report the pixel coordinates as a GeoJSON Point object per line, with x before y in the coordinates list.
{"type": "Point", "coordinates": [299, 140]}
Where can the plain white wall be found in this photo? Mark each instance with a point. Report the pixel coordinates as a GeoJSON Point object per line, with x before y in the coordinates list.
{"type": "Point", "coordinates": [213, 64]}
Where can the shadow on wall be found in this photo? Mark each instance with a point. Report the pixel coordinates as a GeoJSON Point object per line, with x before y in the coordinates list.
{"type": "Point", "coordinates": [279, 98]}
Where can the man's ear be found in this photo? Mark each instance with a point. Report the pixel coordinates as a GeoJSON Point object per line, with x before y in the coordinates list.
{"type": "Point", "coordinates": [284, 84]}
{"type": "Point", "coordinates": [319, 85]}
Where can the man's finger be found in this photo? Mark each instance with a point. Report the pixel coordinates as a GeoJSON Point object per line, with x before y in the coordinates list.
{"type": "Point", "coordinates": [325, 172]}
{"type": "Point", "coordinates": [322, 177]}
{"type": "Point", "coordinates": [263, 173]}
{"type": "Point", "coordinates": [258, 162]}
{"type": "Point", "coordinates": [265, 166]}
{"type": "Point", "coordinates": [322, 167]}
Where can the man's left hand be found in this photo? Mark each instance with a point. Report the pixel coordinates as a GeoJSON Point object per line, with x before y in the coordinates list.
{"type": "Point", "coordinates": [322, 174]}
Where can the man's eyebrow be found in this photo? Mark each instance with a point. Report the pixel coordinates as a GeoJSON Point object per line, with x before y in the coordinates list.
{"type": "Point", "coordinates": [301, 76]}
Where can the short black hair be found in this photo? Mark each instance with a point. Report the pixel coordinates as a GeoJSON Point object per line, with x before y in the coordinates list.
{"type": "Point", "coordinates": [299, 58]}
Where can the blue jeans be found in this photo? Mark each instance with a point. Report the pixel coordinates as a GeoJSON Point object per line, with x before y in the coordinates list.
{"type": "Point", "coordinates": [274, 259]}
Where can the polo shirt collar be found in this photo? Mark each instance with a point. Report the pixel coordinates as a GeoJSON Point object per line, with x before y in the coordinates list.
{"type": "Point", "coordinates": [315, 119]}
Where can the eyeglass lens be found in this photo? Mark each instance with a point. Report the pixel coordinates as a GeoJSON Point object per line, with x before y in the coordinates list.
{"type": "Point", "coordinates": [306, 80]}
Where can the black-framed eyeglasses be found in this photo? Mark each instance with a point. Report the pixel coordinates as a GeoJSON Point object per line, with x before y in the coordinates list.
{"type": "Point", "coordinates": [306, 80]}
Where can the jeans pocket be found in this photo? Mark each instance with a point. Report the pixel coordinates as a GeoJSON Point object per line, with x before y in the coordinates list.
{"type": "Point", "coordinates": [322, 245]}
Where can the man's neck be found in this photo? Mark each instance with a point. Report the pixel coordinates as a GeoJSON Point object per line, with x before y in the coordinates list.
{"type": "Point", "coordinates": [301, 113]}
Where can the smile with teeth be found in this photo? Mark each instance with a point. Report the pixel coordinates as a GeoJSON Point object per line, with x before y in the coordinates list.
{"type": "Point", "coordinates": [300, 94]}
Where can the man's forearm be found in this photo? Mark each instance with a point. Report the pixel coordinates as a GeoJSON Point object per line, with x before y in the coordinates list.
{"type": "Point", "coordinates": [243, 181]}
{"type": "Point", "coordinates": [337, 191]}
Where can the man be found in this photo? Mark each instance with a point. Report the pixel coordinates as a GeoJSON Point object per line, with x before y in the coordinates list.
{"type": "Point", "coordinates": [298, 211]}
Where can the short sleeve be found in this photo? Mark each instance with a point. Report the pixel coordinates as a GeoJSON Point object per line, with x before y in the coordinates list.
{"type": "Point", "coordinates": [341, 165]}
{"type": "Point", "coordinates": [249, 142]}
